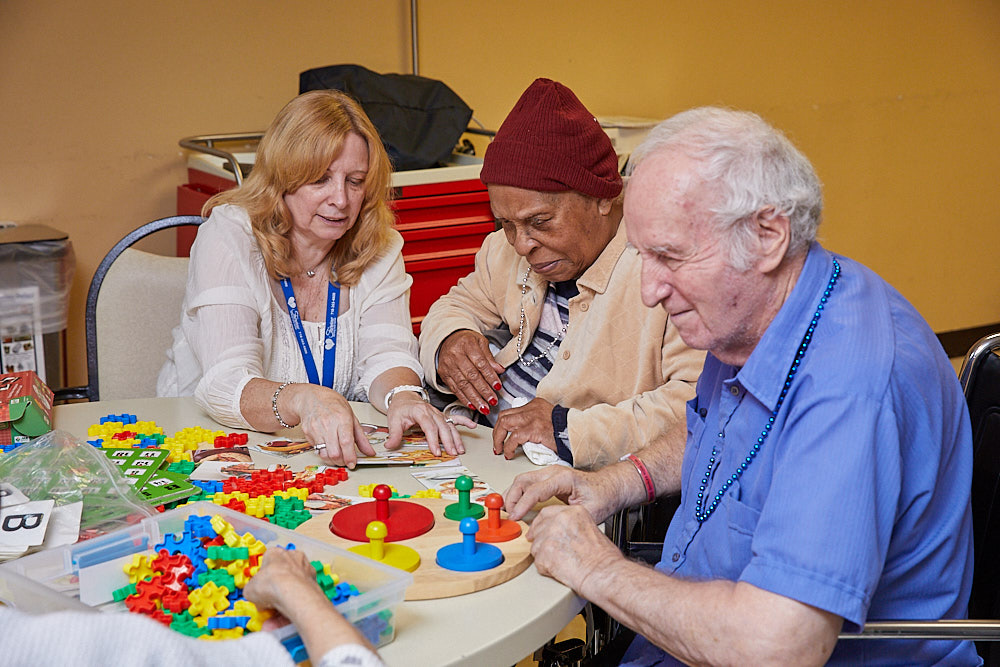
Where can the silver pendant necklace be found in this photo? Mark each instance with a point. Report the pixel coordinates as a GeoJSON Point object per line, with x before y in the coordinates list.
{"type": "Point", "coordinates": [312, 272]}
{"type": "Point", "coordinates": [520, 328]}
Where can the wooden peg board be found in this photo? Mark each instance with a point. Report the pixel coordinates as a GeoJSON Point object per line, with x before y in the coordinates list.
{"type": "Point", "coordinates": [431, 581]}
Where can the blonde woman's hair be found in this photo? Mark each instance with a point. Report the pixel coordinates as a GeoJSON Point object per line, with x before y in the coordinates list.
{"type": "Point", "coordinates": [297, 149]}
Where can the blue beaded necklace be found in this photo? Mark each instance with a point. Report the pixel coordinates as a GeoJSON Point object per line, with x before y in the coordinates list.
{"type": "Point", "coordinates": [702, 514]}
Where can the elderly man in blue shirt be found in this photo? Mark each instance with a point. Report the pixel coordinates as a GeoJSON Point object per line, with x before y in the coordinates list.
{"type": "Point", "coordinates": [827, 471]}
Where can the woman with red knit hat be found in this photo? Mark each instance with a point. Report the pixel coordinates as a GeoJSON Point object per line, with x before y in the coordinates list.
{"type": "Point", "coordinates": [548, 338]}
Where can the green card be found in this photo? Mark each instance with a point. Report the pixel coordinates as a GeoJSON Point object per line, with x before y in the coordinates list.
{"type": "Point", "coordinates": [137, 465]}
{"type": "Point", "coordinates": [166, 487]}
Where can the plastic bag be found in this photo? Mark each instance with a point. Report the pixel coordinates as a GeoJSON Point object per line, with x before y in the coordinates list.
{"type": "Point", "coordinates": [58, 466]}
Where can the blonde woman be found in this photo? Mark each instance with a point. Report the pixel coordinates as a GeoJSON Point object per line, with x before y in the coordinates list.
{"type": "Point", "coordinates": [297, 300]}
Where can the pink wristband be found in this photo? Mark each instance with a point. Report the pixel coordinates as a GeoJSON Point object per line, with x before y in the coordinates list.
{"type": "Point", "coordinates": [647, 480]}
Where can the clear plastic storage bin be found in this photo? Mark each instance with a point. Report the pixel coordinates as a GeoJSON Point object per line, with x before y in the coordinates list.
{"type": "Point", "coordinates": [381, 587]}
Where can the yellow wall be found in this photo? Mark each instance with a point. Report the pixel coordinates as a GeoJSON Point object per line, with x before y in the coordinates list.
{"type": "Point", "coordinates": [895, 101]}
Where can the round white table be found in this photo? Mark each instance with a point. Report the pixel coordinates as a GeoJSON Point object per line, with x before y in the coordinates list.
{"type": "Point", "coordinates": [496, 626]}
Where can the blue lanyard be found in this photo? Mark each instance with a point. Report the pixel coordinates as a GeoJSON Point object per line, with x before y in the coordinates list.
{"type": "Point", "coordinates": [330, 334]}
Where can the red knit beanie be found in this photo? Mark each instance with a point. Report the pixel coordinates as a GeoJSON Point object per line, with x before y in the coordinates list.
{"type": "Point", "coordinates": [550, 142]}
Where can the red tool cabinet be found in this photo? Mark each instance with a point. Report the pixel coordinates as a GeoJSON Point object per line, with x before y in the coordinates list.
{"type": "Point", "coordinates": [443, 215]}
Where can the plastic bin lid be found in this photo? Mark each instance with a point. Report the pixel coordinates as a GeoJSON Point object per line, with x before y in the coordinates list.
{"type": "Point", "coordinates": [30, 234]}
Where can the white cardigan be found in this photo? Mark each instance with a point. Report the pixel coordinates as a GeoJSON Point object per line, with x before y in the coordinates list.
{"type": "Point", "coordinates": [113, 639]}
{"type": "Point", "coordinates": [235, 327]}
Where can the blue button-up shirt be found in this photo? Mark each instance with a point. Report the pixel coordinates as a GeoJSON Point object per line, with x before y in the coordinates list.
{"type": "Point", "coordinates": [858, 502]}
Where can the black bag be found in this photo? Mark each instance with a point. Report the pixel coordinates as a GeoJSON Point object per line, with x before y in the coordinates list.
{"type": "Point", "coordinates": [420, 120]}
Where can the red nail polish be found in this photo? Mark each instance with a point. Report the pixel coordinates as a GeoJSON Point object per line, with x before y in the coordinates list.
{"type": "Point", "coordinates": [493, 401]}
{"type": "Point", "coordinates": [498, 386]}
{"type": "Point", "coordinates": [471, 406]}
{"type": "Point", "coordinates": [485, 410]}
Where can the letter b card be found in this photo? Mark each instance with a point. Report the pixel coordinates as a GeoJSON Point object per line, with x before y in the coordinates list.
{"type": "Point", "coordinates": [24, 525]}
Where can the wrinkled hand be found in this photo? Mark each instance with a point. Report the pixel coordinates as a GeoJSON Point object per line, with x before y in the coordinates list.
{"type": "Point", "coordinates": [407, 411]}
{"type": "Point", "coordinates": [532, 422]}
{"type": "Point", "coordinates": [568, 546]}
{"type": "Point", "coordinates": [590, 490]}
{"type": "Point", "coordinates": [282, 578]}
{"type": "Point", "coordinates": [327, 418]}
{"type": "Point", "coordinates": [467, 366]}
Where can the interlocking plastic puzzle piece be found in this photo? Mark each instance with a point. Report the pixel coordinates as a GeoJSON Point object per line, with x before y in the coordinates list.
{"type": "Point", "coordinates": [228, 553]}
{"type": "Point", "coordinates": [179, 566]}
{"type": "Point", "coordinates": [162, 616]}
{"type": "Point", "coordinates": [170, 543]}
{"type": "Point", "coordinates": [327, 583]}
{"type": "Point", "coordinates": [426, 493]}
{"type": "Point", "coordinates": [142, 604]}
{"type": "Point", "coordinates": [152, 588]}
{"type": "Point", "coordinates": [208, 599]}
{"type": "Point", "coordinates": [469, 555]}
{"type": "Point", "coordinates": [375, 627]}
{"type": "Point", "coordinates": [219, 577]}
{"type": "Point", "coordinates": [184, 623]}
{"type": "Point", "coordinates": [367, 490]}
{"type": "Point", "coordinates": [296, 648]}
{"type": "Point", "coordinates": [176, 600]}
{"type": "Point", "coordinates": [139, 568]}
{"type": "Point", "coordinates": [464, 507]}
{"type": "Point", "coordinates": [231, 440]}
{"type": "Point", "coordinates": [233, 633]}
{"type": "Point", "coordinates": [120, 594]}
{"type": "Point", "coordinates": [344, 592]}
{"type": "Point", "coordinates": [120, 419]}
{"type": "Point", "coordinates": [227, 622]}
{"type": "Point", "coordinates": [199, 569]}
{"type": "Point", "coordinates": [249, 609]}
{"type": "Point", "coordinates": [199, 526]}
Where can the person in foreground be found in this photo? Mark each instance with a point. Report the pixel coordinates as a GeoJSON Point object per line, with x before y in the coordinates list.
{"type": "Point", "coordinates": [286, 582]}
{"type": "Point", "coordinates": [547, 336]}
{"type": "Point", "coordinates": [826, 477]}
{"type": "Point", "coordinates": [297, 301]}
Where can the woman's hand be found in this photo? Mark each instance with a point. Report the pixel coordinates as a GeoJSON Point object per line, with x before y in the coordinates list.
{"type": "Point", "coordinates": [408, 409]}
{"type": "Point", "coordinates": [283, 576]}
{"type": "Point", "coordinates": [327, 418]}
{"type": "Point", "coordinates": [467, 366]}
{"type": "Point", "coordinates": [287, 582]}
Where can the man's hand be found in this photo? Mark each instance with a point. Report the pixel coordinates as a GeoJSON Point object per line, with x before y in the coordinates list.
{"type": "Point", "coordinates": [569, 547]}
{"type": "Point", "coordinates": [596, 492]}
{"type": "Point", "coordinates": [531, 422]}
{"type": "Point", "coordinates": [467, 367]}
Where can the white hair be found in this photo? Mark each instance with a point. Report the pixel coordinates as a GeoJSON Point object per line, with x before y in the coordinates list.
{"type": "Point", "coordinates": [752, 165]}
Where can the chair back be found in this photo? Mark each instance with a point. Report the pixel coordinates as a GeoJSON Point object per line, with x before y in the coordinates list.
{"type": "Point", "coordinates": [137, 308]}
{"type": "Point", "coordinates": [133, 303]}
{"type": "Point", "coordinates": [980, 378]}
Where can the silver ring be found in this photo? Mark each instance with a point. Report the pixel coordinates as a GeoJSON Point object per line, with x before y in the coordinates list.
{"type": "Point", "coordinates": [449, 420]}
{"type": "Point", "coordinates": [320, 446]}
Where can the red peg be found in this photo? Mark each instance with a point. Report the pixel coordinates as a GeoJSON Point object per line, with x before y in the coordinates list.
{"type": "Point", "coordinates": [493, 528]}
{"type": "Point", "coordinates": [381, 494]}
